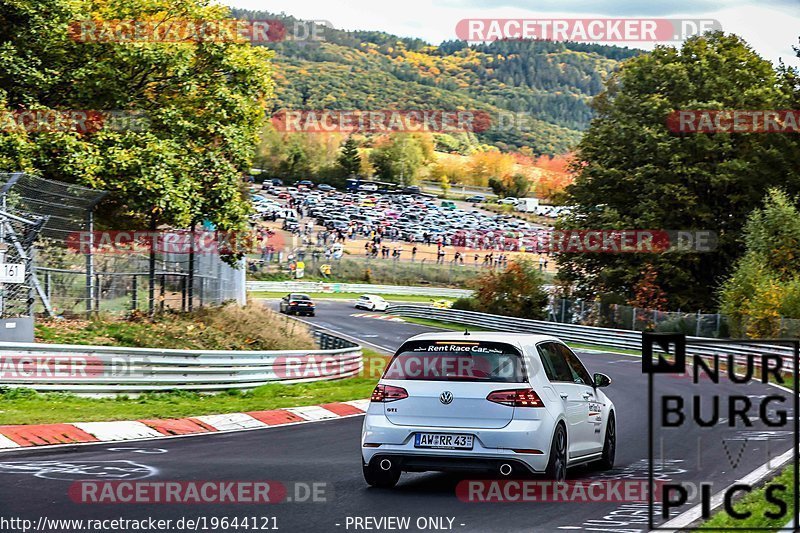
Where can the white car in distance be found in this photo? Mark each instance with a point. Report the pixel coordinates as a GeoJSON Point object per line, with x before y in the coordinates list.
{"type": "Point", "coordinates": [486, 403]}
{"type": "Point", "coordinates": [371, 302]}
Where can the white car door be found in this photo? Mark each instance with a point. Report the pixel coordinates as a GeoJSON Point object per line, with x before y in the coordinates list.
{"type": "Point", "coordinates": [594, 421]}
{"type": "Point", "coordinates": [575, 397]}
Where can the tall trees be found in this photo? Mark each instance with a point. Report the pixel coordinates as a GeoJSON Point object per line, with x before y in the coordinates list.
{"type": "Point", "coordinates": [765, 285]}
{"type": "Point", "coordinates": [490, 164]}
{"type": "Point", "coordinates": [202, 104]}
{"type": "Point", "coordinates": [349, 160]}
{"type": "Point", "coordinates": [398, 158]}
{"type": "Point", "coordinates": [631, 172]}
{"type": "Point", "coordinates": [518, 290]}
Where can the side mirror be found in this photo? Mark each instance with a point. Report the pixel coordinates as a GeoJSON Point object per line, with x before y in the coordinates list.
{"type": "Point", "coordinates": [601, 380]}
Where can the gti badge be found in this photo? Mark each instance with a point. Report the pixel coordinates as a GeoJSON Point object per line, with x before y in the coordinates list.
{"type": "Point", "coordinates": [446, 397]}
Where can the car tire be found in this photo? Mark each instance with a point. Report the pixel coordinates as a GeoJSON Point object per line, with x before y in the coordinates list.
{"type": "Point", "coordinates": [606, 462]}
{"type": "Point", "coordinates": [312, 314]}
{"type": "Point", "coordinates": [557, 464]}
{"type": "Point", "coordinates": [380, 479]}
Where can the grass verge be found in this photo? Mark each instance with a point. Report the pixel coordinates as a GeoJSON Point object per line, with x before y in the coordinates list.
{"type": "Point", "coordinates": [24, 406]}
{"type": "Point", "coordinates": [229, 327]}
{"type": "Point", "coordinates": [756, 503]}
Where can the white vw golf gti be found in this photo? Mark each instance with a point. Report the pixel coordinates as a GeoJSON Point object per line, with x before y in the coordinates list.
{"type": "Point", "coordinates": [512, 404]}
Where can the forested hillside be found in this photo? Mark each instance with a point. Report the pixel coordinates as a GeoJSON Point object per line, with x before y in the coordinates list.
{"type": "Point", "coordinates": [550, 82]}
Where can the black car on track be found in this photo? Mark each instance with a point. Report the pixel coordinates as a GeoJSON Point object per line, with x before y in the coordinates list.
{"type": "Point", "coordinates": [297, 304]}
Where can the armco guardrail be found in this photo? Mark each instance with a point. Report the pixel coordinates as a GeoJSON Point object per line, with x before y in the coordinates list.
{"type": "Point", "coordinates": [333, 288]}
{"type": "Point", "coordinates": [109, 370]}
{"type": "Point", "coordinates": [589, 335]}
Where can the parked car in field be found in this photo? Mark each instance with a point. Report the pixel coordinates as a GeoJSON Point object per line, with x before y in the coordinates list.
{"type": "Point", "coordinates": [476, 199]}
{"type": "Point", "coordinates": [371, 302]}
{"type": "Point", "coordinates": [297, 304]}
{"type": "Point", "coordinates": [324, 187]}
{"type": "Point", "coordinates": [489, 403]}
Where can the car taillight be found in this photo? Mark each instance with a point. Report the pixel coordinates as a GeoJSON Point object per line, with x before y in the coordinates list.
{"type": "Point", "coordinates": [388, 393]}
{"type": "Point", "coordinates": [516, 398]}
{"type": "Point", "coordinates": [292, 303]}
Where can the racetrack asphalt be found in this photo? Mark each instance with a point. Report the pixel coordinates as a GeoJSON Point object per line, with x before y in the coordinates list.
{"type": "Point", "coordinates": [35, 483]}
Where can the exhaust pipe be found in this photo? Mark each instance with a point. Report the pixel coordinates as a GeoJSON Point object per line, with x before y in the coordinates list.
{"type": "Point", "coordinates": [505, 469]}
{"type": "Point", "coordinates": [386, 465]}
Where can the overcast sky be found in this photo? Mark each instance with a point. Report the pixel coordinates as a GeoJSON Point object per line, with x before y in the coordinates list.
{"type": "Point", "coordinates": [770, 26]}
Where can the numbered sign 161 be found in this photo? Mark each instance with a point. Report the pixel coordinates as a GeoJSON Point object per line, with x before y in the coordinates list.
{"type": "Point", "coordinates": [12, 273]}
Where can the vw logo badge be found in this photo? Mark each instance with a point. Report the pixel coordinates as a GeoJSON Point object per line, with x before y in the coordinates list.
{"type": "Point", "coordinates": [446, 397]}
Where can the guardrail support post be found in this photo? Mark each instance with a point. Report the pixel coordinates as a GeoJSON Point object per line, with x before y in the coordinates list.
{"type": "Point", "coordinates": [135, 293]}
{"type": "Point", "coordinates": [162, 291]}
{"type": "Point", "coordinates": [97, 293]}
{"type": "Point", "coordinates": [190, 282]}
{"type": "Point", "coordinates": [90, 262]}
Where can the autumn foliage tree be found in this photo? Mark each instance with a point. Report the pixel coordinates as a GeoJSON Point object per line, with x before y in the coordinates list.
{"type": "Point", "coordinates": [633, 172]}
{"type": "Point", "coordinates": [516, 291]}
{"type": "Point", "coordinates": [647, 293]}
{"type": "Point", "coordinates": [484, 166]}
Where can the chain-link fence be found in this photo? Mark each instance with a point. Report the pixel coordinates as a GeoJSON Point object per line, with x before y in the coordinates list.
{"type": "Point", "coordinates": [121, 283]}
{"type": "Point", "coordinates": [73, 269]}
{"type": "Point", "coordinates": [697, 324]}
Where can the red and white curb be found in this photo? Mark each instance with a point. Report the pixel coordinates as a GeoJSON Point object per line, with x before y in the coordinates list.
{"type": "Point", "coordinates": [27, 436]}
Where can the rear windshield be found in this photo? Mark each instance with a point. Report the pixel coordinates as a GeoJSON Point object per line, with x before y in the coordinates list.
{"type": "Point", "coordinates": [299, 297]}
{"type": "Point", "coordinates": [457, 361]}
